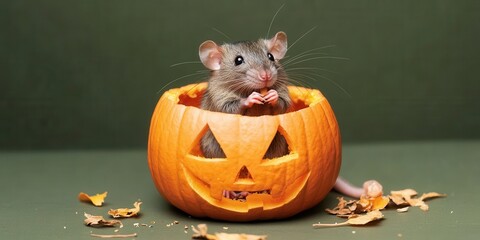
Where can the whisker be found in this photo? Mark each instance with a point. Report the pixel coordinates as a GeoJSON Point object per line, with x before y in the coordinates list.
{"type": "Point", "coordinates": [302, 56]}
{"type": "Point", "coordinates": [323, 57]}
{"type": "Point", "coordinates": [273, 19]}
{"type": "Point", "coordinates": [180, 78]}
{"type": "Point", "coordinates": [310, 68]}
{"type": "Point", "coordinates": [308, 51]}
{"type": "Point", "coordinates": [299, 81]}
{"type": "Point", "coordinates": [183, 63]}
{"type": "Point", "coordinates": [218, 31]}
{"type": "Point", "coordinates": [332, 82]}
{"type": "Point", "coordinates": [293, 44]}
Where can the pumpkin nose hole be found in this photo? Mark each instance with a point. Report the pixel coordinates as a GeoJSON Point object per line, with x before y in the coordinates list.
{"type": "Point", "coordinates": [244, 176]}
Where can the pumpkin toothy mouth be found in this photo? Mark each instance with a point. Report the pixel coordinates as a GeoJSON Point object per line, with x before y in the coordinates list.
{"type": "Point", "coordinates": [241, 199]}
{"type": "Point", "coordinates": [242, 195]}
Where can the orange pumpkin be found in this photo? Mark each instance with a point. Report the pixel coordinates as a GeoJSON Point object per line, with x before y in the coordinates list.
{"type": "Point", "coordinates": [279, 187]}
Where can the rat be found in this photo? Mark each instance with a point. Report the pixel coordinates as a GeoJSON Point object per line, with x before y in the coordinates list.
{"type": "Point", "coordinates": [247, 78]}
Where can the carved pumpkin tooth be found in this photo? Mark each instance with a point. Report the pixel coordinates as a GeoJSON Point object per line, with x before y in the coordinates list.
{"type": "Point", "coordinates": [273, 189]}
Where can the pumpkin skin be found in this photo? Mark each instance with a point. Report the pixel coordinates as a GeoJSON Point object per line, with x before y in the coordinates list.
{"type": "Point", "coordinates": [288, 184]}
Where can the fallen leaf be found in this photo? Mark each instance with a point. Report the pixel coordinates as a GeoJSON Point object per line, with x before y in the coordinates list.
{"type": "Point", "coordinates": [125, 212]}
{"type": "Point", "coordinates": [405, 193]}
{"type": "Point", "coordinates": [426, 196]}
{"type": "Point", "coordinates": [379, 203]}
{"type": "Point", "coordinates": [343, 207]}
{"type": "Point", "coordinates": [97, 199]}
{"type": "Point", "coordinates": [360, 220]}
{"type": "Point", "coordinates": [372, 203]}
{"type": "Point", "coordinates": [114, 235]}
{"type": "Point", "coordinates": [364, 204]}
{"type": "Point", "coordinates": [99, 221]}
{"type": "Point", "coordinates": [201, 232]}
{"type": "Point", "coordinates": [364, 219]}
{"type": "Point", "coordinates": [398, 200]}
{"type": "Point", "coordinates": [406, 197]}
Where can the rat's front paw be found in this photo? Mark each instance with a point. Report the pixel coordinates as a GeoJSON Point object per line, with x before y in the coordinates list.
{"type": "Point", "coordinates": [254, 98]}
{"type": "Point", "coordinates": [271, 97]}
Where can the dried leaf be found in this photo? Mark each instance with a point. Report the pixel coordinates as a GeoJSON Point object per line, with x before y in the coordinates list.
{"type": "Point", "coordinates": [242, 236]}
{"type": "Point", "coordinates": [405, 193]}
{"type": "Point", "coordinates": [372, 205]}
{"type": "Point", "coordinates": [398, 200]}
{"type": "Point", "coordinates": [202, 233]}
{"type": "Point", "coordinates": [405, 197]}
{"type": "Point", "coordinates": [343, 207]}
{"type": "Point", "coordinates": [125, 212]}
{"type": "Point", "coordinates": [426, 196]}
{"type": "Point", "coordinates": [360, 220]}
{"type": "Point", "coordinates": [379, 202]}
{"type": "Point", "coordinates": [114, 235]}
{"type": "Point", "coordinates": [364, 219]}
{"type": "Point", "coordinates": [97, 199]}
{"type": "Point", "coordinates": [99, 221]}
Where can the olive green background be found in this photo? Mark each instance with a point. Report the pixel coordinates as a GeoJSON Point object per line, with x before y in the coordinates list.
{"type": "Point", "coordinates": [79, 81]}
{"type": "Point", "coordinates": [87, 74]}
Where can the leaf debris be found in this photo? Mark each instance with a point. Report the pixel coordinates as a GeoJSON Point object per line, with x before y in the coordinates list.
{"type": "Point", "coordinates": [96, 199]}
{"type": "Point", "coordinates": [368, 207]}
{"type": "Point", "coordinates": [99, 221]}
{"type": "Point", "coordinates": [201, 233]}
{"type": "Point", "coordinates": [356, 220]}
{"type": "Point", "coordinates": [125, 212]}
{"type": "Point", "coordinates": [114, 235]}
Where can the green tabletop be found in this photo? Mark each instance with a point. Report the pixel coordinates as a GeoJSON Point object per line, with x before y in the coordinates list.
{"type": "Point", "coordinates": [39, 195]}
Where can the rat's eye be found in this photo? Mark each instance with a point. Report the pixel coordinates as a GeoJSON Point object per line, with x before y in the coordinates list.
{"type": "Point", "coordinates": [239, 60]}
{"type": "Point", "coordinates": [270, 56]}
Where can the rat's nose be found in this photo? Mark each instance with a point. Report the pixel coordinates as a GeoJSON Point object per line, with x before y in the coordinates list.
{"type": "Point", "coordinates": [265, 75]}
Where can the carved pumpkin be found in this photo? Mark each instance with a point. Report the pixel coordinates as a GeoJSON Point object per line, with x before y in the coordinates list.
{"type": "Point", "coordinates": [279, 187]}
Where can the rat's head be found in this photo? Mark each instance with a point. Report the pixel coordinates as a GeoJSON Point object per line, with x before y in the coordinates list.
{"type": "Point", "coordinates": [247, 65]}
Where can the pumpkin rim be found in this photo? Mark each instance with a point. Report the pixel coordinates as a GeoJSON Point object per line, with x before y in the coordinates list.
{"type": "Point", "coordinates": [305, 97]}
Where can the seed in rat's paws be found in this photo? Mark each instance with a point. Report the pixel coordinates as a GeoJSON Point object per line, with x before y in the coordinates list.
{"type": "Point", "coordinates": [263, 91]}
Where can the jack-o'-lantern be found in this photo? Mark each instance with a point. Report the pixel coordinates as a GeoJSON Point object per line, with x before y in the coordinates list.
{"type": "Point", "coordinates": [277, 188]}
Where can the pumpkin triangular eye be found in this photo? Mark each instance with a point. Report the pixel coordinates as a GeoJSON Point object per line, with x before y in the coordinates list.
{"type": "Point", "coordinates": [278, 148]}
{"type": "Point", "coordinates": [208, 146]}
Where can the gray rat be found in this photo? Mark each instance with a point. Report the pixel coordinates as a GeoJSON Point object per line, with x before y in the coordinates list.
{"type": "Point", "coordinates": [240, 71]}
{"type": "Point", "coordinates": [248, 79]}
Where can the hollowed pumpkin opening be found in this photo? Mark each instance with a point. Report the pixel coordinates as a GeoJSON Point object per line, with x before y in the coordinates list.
{"type": "Point", "coordinates": [193, 97]}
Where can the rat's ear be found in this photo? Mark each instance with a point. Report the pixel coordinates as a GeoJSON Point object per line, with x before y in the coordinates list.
{"type": "Point", "coordinates": [277, 45]}
{"type": "Point", "coordinates": [210, 55]}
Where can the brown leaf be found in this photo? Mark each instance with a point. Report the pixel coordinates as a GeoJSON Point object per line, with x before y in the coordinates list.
{"type": "Point", "coordinates": [379, 202]}
{"type": "Point", "coordinates": [360, 220]}
{"type": "Point", "coordinates": [202, 233]}
{"type": "Point", "coordinates": [405, 193]}
{"type": "Point", "coordinates": [96, 200]}
{"type": "Point", "coordinates": [398, 200]}
{"type": "Point", "coordinates": [114, 235]}
{"type": "Point", "coordinates": [99, 221]}
{"type": "Point", "coordinates": [364, 219]}
{"type": "Point", "coordinates": [426, 196]}
{"type": "Point", "coordinates": [235, 236]}
{"type": "Point", "coordinates": [406, 197]}
{"type": "Point", "coordinates": [125, 212]}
